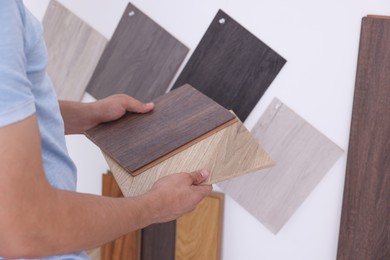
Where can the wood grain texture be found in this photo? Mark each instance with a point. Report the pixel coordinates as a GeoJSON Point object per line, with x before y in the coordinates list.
{"type": "Point", "coordinates": [74, 49]}
{"type": "Point", "coordinates": [227, 154]}
{"type": "Point", "coordinates": [231, 66]}
{"type": "Point", "coordinates": [179, 117]}
{"type": "Point", "coordinates": [128, 246]}
{"type": "Point", "coordinates": [140, 59]}
{"type": "Point", "coordinates": [199, 233]}
{"type": "Point", "coordinates": [365, 218]}
{"type": "Point", "coordinates": [158, 241]}
{"type": "Point", "coordinates": [303, 156]}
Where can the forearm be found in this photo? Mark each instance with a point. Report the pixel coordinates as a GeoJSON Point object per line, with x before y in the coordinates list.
{"type": "Point", "coordinates": [77, 116]}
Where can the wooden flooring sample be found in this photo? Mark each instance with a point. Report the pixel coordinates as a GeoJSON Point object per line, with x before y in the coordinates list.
{"type": "Point", "coordinates": [74, 49]}
{"type": "Point", "coordinates": [303, 156]}
{"type": "Point", "coordinates": [229, 153]}
{"type": "Point", "coordinates": [179, 117]}
{"type": "Point", "coordinates": [231, 66]}
{"type": "Point", "coordinates": [365, 218]}
{"type": "Point", "coordinates": [199, 233]}
{"type": "Point", "coordinates": [140, 60]}
{"type": "Point", "coordinates": [128, 246]}
{"type": "Point", "coordinates": [158, 241]}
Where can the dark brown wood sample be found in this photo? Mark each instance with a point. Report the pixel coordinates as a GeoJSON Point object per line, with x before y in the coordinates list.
{"type": "Point", "coordinates": [140, 59]}
{"type": "Point", "coordinates": [128, 246]}
{"type": "Point", "coordinates": [178, 118]}
{"type": "Point", "coordinates": [231, 66]}
{"type": "Point", "coordinates": [158, 241]}
{"type": "Point", "coordinates": [365, 220]}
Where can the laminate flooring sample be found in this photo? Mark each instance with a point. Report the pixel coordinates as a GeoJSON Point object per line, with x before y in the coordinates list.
{"type": "Point", "coordinates": [199, 233]}
{"type": "Point", "coordinates": [140, 60]}
{"type": "Point", "coordinates": [303, 156]}
{"type": "Point", "coordinates": [231, 66]}
{"type": "Point", "coordinates": [229, 153]}
{"type": "Point", "coordinates": [365, 218]}
{"type": "Point", "coordinates": [74, 49]}
{"type": "Point", "coordinates": [158, 241]}
{"type": "Point", "coordinates": [137, 140]}
{"type": "Point", "coordinates": [128, 246]}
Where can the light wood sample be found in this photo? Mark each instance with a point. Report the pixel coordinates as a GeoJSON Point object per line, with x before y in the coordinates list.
{"type": "Point", "coordinates": [74, 49]}
{"type": "Point", "coordinates": [199, 233]}
{"type": "Point", "coordinates": [229, 153]}
{"type": "Point", "coordinates": [303, 156]}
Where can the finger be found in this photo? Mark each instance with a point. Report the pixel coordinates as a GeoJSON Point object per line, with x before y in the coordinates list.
{"type": "Point", "coordinates": [134, 105]}
{"type": "Point", "coordinates": [199, 176]}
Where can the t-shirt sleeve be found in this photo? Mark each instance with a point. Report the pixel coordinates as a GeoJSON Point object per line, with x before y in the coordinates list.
{"type": "Point", "coordinates": [16, 98]}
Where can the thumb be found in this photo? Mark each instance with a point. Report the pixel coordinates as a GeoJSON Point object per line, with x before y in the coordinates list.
{"type": "Point", "coordinates": [199, 176]}
{"type": "Point", "coordinates": [134, 105]}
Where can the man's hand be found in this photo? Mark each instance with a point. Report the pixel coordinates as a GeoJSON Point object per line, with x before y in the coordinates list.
{"type": "Point", "coordinates": [79, 117]}
{"type": "Point", "coordinates": [177, 194]}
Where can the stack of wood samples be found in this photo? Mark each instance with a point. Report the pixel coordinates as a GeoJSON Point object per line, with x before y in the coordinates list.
{"type": "Point", "coordinates": [365, 220]}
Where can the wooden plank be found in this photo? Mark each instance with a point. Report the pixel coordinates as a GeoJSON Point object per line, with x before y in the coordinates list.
{"type": "Point", "coordinates": [158, 241]}
{"type": "Point", "coordinates": [199, 233]}
{"type": "Point", "coordinates": [228, 153]}
{"type": "Point", "coordinates": [303, 156]}
{"type": "Point", "coordinates": [179, 117]}
{"type": "Point", "coordinates": [74, 49]}
{"type": "Point", "coordinates": [128, 246]}
{"type": "Point", "coordinates": [365, 219]}
{"type": "Point", "coordinates": [140, 59]}
{"type": "Point", "coordinates": [231, 66]}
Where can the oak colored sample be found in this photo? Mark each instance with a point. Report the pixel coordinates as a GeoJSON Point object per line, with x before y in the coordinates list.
{"type": "Point", "coordinates": [365, 219]}
{"type": "Point", "coordinates": [128, 246]}
{"type": "Point", "coordinates": [178, 118]}
{"type": "Point", "coordinates": [140, 59]}
{"type": "Point", "coordinates": [199, 233]}
{"type": "Point", "coordinates": [303, 156]}
{"type": "Point", "coordinates": [229, 153]}
{"type": "Point", "coordinates": [74, 49]}
{"type": "Point", "coordinates": [158, 241]}
{"type": "Point", "coordinates": [231, 66]}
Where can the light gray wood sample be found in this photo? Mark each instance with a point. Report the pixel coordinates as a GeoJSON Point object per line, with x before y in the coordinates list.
{"type": "Point", "coordinates": [303, 156]}
{"type": "Point", "coordinates": [74, 49]}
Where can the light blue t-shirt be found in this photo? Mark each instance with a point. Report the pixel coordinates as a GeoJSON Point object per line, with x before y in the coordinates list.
{"type": "Point", "coordinates": [25, 89]}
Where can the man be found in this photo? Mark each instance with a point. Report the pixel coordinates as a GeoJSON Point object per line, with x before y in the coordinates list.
{"type": "Point", "coordinates": [40, 214]}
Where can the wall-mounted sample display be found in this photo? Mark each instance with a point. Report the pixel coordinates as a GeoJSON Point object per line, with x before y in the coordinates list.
{"type": "Point", "coordinates": [303, 156]}
{"type": "Point", "coordinates": [140, 60]}
{"type": "Point", "coordinates": [158, 241]}
{"type": "Point", "coordinates": [199, 233]}
{"type": "Point", "coordinates": [74, 49]}
{"type": "Point", "coordinates": [179, 117]}
{"type": "Point", "coordinates": [365, 219]}
{"type": "Point", "coordinates": [231, 66]}
{"type": "Point", "coordinates": [128, 246]}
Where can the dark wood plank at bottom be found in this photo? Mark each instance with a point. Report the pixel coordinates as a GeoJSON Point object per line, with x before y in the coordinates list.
{"type": "Point", "coordinates": [365, 220]}
{"type": "Point", "coordinates": [158, 241]}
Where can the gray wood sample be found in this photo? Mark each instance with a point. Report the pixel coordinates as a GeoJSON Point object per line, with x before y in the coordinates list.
{"type": "Point", "coordinates": [74, 49]}
{"type": "Point", "coordinates": [303, 156]}
{"type": "Point", "coordinates": [140, 59]}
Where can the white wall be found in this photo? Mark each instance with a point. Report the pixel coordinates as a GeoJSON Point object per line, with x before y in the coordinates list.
{"type": "Point", "coordinates": [320, 41]}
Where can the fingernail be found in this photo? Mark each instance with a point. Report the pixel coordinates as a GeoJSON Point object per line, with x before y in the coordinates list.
{"type": "Point", "coordinates": [204, 173]}
{"type": "Point", "coordinates": [149, 104]}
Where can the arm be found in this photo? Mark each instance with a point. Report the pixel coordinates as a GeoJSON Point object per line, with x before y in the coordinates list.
{"type": "Point", "coordinates": [37, 220]}
{"type": "Point", "coordinates": [79, 117]}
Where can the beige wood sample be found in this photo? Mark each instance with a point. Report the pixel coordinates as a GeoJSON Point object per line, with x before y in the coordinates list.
{"type": "Point", "coordinates": [74, 49]}
{"type": "Point", "coordinates": [303, 156]}
{"type": "Point", "coordinates": [228, 153]}
{"type": "Point", "coordinates": [199, 233]}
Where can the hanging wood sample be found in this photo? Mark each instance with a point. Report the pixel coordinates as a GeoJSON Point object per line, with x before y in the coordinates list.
{"type": "Point", "coordinates": [365, 218]}
{"type": "Point", "coordinates": [229, 153]}
{"type": "Point", "coordinates": [199, 233]}
{"type": "Point", "coordinates": [158, 241]}
{"type": "Point", "coordinates": [231, 66]}
{"type": "Point", "coordinates": [181, 116]}
{"type": "Point", "coordinates": [74, 49]}
{"type": "Point", "coordinates": [128, 246]}
{"type": "Point", "coordinates": [303, 156]}
{"type": "Point", "coordinates": [140, 59]}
